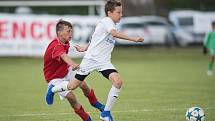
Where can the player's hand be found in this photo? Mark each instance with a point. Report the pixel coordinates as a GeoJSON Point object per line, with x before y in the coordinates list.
{"type": "Point", "coordinates": [75, 67]}
{"type": "Point", "coordinates": [139, 39]}
{"type": "Point", "coordinates": [79, 48]}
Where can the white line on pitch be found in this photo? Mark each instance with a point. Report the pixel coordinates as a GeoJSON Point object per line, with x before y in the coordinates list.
{"type": "Point", "coordinates": [124, 111]}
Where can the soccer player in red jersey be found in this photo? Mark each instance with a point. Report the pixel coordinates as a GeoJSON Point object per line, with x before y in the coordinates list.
{"type": "Point", "coordinates": [59, 68]}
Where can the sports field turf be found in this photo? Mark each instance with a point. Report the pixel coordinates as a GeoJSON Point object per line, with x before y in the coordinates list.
{"type": "Point", "coordinates": [159, 85]}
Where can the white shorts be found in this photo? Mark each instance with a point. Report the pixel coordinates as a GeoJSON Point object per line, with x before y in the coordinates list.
{"type": "Point", "coordinates": [88, 65]}
{"type": "Point", "coordinates": [70, 75]}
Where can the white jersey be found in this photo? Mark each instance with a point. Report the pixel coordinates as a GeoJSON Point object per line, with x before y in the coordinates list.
{"type": "Point", "coordinates": [102, 42]}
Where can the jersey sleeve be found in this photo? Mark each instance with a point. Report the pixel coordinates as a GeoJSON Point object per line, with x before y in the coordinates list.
{"type": "Point", "coordinates": [108, 24]}
{"type": "Point", "coordinates": [57, 52]}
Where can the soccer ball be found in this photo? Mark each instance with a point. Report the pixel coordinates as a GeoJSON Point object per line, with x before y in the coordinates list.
{"type": "Point", "coordinates": [195, 114]}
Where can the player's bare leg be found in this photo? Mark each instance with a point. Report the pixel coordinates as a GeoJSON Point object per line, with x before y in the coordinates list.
{"type": "Point", "coordinates": [79, 110]}
{"type": "Point", "coordinates": [89, 93]}
{"type": "Point", "coordinates": [112, 96]}
{"type": "Point", "coordinates": [65, 85]}
{"type": "Point", "coordinates": [73, 84]}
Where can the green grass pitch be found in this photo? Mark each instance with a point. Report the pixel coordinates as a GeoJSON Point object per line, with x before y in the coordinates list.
{"type": "Point", "coordinates": [159, 85]}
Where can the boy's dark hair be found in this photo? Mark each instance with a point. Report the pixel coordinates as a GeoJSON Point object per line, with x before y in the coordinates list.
{"type": "Point", "coordinates": [61, 23]}
{"type": "Point", "coordinates": [110, 6]}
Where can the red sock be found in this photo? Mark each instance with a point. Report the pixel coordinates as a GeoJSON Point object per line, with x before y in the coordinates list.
{"type": "Point", "coordinates": [84, 116]}
{"type": "Point", "coordinates": [91, 97]}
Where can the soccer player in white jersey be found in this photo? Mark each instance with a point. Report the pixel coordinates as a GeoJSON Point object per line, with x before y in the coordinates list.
{"type": "Point", "coordinates": [98, 57]}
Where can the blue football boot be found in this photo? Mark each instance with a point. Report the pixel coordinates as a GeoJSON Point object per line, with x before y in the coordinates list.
{"type": "Point", "coordinates": [106, 116]}
{"type": "Point", "coordinates": [50, 95]}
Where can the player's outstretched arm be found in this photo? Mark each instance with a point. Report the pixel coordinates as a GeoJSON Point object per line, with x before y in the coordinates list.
{"type": "Point", "coordinates": [123, 36]}
{"type": "Point", "coordinates": [69, 61]}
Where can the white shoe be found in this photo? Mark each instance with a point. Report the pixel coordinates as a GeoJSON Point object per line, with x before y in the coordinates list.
{"type": "Point", "coordinates": [209, 73]}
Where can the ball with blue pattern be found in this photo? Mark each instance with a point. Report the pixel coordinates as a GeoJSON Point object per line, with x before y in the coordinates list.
{"type": "Point", "coordinates": [195, 114]}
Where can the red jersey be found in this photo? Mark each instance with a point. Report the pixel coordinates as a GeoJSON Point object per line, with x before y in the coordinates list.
{"type": "Point", "coordinates": [54, 66]}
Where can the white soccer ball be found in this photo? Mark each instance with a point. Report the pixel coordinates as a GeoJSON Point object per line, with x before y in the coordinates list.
{"type": "Point", "coordinates": [195, 114]}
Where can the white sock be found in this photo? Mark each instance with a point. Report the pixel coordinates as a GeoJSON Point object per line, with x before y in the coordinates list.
{"type": "Point", "coordinates": [60, 87]}
{"type": "Point", "coordinates": [112, 96]}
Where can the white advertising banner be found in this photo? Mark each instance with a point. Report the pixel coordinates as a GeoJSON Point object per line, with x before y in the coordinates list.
{"type": "Point", "coordinates": [29, 35]}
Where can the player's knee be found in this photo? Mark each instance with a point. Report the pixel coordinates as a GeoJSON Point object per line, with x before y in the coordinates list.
{"type": "Point", "coordinates": [72, 99]}
{"type": "Point", "coordinates": [118, 83]}
{"type": "Point", "coordinates": [72, 85]}
{"type": "Point", "coordinates": [83, 85]}
{"type": "Point", "coordinates": [116, 80]}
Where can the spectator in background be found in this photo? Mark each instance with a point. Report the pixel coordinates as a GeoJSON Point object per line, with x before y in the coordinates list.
{"type": "Point", "coordinates": [209, 45]}
{"type": "Point", "coordinates": [59, 68]}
